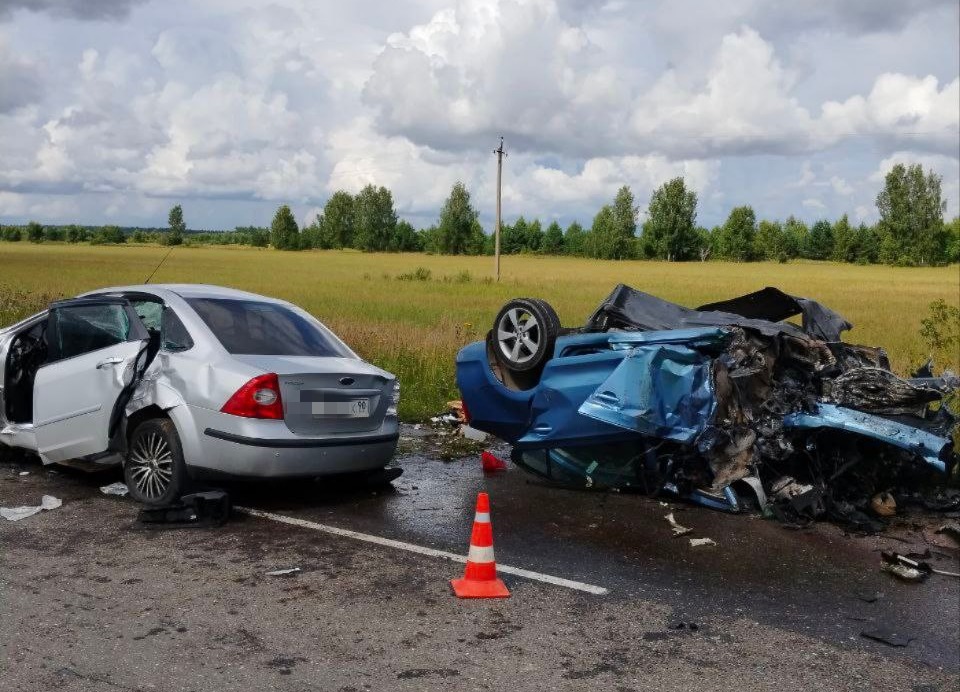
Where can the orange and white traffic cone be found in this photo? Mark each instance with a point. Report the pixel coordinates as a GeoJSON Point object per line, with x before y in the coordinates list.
{"type": "Point", "coordinates": [480, 577]}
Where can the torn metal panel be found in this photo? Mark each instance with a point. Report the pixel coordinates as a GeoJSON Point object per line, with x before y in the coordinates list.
{"type": "Point", "coordinates": [663, 391]}
{"type": "Point", "coordinates": [933, 449]}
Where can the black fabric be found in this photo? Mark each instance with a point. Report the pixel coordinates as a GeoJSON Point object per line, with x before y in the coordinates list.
{"type": "Point", "coordinates": [630, 309]}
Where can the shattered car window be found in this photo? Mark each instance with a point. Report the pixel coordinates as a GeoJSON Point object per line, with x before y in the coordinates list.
{"type": "Point", "coordinates": [81, 329]}
{"type": "Point", "coordinates": [247, 327]}
{"type": "Point", "coordinates": [173, 334]}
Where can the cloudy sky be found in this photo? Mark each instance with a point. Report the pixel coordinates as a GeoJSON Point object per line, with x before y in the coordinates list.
{"type": "Point", "coordinates": [111, 111]}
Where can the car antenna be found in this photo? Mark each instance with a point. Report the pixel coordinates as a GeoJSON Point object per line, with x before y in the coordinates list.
{"type": "Point", "coordinates": [157, 268]}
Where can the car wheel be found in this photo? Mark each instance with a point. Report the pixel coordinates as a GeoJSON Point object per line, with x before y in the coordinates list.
{"type": "Point", "coordinates": [154, 469]}
{"type": "Point", "coordinates": [524, 332]}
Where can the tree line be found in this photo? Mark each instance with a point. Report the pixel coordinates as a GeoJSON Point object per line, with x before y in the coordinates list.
{"type": "Point", "coordinates": [911, 230]}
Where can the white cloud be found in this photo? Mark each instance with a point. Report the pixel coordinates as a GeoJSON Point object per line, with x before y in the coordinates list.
{"type": "Point", "coordinates": [230, 103]}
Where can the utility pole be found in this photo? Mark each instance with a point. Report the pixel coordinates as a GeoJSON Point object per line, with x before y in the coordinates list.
{"type": "Point", "coordinates": [496, 229]}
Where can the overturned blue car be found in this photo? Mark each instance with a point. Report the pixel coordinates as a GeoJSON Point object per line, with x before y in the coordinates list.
{"type": "Point", "coordinates": [728, 405]}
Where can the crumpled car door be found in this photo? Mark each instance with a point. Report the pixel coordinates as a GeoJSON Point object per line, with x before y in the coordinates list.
{"type": "Point", "coordinates": [94, 347]}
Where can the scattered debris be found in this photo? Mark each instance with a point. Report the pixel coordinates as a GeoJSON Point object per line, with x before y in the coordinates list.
{"type": "Point", "coordinates": [681, 625]}
{"type": "Point", "coordinates": [119, 488]}
{"type": "Point", "coordinates": [24, 473]}
{"type": "Point", "coordinates": [206, 509]}
{"type": "Point", "coordinates": [952, 530]}
{"type": "Point", "coordinates": [699, 542]}
{"type": "Point", "coordinates": [473, 433]}
{"type": "Point", "coordinates": [904, 568]}
{"type": "Point", "coordinates": [491, 462]}
{"type": "Point", "coordinates": [47, 502]}
{"type": "Point", "coordinates": [678, 530]}
{"type": "Point", "coordinates": [889, 637]}
{"type": "Point", "coordinates": [284, 572]}
{"type": "Point", "coordinates": [871, 597]}
{"type": "Point", "coordinates": [883, 504]}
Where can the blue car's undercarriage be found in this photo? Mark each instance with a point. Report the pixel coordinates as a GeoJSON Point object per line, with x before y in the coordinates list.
{"type": "Point", "coordinates": [724, 404]}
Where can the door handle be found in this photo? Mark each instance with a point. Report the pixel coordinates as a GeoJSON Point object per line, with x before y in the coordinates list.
{"type": "Point", "coordinates": [112, 360]}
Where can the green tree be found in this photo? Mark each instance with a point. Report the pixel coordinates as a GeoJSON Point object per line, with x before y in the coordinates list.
{"type": "Point", "coordinates": [109, 235]}
{"type": "Point", "coordinates": [76, 234]}
{"type": "Point", "coordinates": [737, 236]}
{"type": "Point", "coordinates": [534, 236]}
{"type": "Point", "coordinates": [312, 236]}
{"type": "Point", "coordinates": [374, 219]}
{"type": "Point", "coordinates": [604, 241]}
{"type": "Point", "coordinates": [670, 230]}
{"type": "Point", "coordinates": [794, 236]}
{"type": "Point", "coordinates": [844, 238]}
{"type": "Point", "coordinates": [622, 243]}
{"type": "Point", "coordinates": [284, 232]}
{"type": "Point", "coordinates": [455, 229]}
{"type": "Point", "coordinates": [338, 228]}
{"type": "Point", "coordinates": [911, 210]}
{"type": "Point", "coordinates": [819, 245]}
{"type": "Point", "coordinates": [34, 232]}
{"type": "Point", "coordinates": [513, 238]}
{"type": "Point", "coordinates": [552, 240]}
{"type": "Point", "coordinates": [769, 241]}
{"type": "Point", "coordinates": [864, 248]}
{"type": "Point", "coordinates": [11, 234]}
{"type": "Point", "coordinates": [177, 226]}
{"type": "Point", "coordinates": [53, 233]}
{"type": "Point", "coordinates": [953, 244]}
{"type": "Point", "coordinates": [574, 239]}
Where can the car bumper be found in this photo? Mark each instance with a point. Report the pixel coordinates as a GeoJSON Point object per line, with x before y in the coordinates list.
{"type": "Point", "coordinates": [267, 449]}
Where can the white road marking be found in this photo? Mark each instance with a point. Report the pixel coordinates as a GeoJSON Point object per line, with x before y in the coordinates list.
{"type": "Point", "coordinates": [421, 550]}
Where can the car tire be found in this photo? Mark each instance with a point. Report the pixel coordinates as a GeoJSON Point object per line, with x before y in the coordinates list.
{"type": "Point", "coordinates": [154, 469]}
{"type": "Point", "coordinates": [524, 334]}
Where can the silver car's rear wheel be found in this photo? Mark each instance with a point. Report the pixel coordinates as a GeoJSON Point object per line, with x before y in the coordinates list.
{"type": "Point", "coordinates": [154, 469]}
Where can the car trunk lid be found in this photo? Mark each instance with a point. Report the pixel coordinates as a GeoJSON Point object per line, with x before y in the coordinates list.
{"type": "Point", "coordinates": [324, 395]}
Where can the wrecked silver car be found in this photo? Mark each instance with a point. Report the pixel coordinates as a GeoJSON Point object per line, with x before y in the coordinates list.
{"type": "Point", "coordinates": [725, 404]}
{"type": "Point", "coordinates": [178, 382]}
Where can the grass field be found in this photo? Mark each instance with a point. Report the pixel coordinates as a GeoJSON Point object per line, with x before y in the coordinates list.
{"type": "Point", "coordinates": [414, 327]}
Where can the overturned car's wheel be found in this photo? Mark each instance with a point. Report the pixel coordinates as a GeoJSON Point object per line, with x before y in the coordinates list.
{"type": "Point", "coordinates": [524, 332]}
{"type": "Point", "coordinates": [154, 470]}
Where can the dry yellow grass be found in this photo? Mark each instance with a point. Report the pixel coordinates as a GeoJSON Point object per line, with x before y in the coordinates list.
{"type": "Point", "coordinates": [414, 328]}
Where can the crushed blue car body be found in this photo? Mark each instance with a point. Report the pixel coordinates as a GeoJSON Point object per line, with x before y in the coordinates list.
{"type": "Point", "coordinates": [662, 398]}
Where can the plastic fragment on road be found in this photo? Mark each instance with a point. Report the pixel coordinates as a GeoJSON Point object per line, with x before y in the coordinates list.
{"type": "Point", "coordinates": [678, 530]}
{"type": "Point", "coordinates": [204, 509]}
{"type": "Point", "coordinates": [119, 488]}
{"type": "Point", "coordinates": [888, 637]}
{"type": "Point", "coordinates": [47, 502]}
{"type": "Point", "coordinates": [283, 572]}
{"type": "Point", "coordinates": [904, 568]}
{"type": "Point", "coordinates": [24, 473]}
{"type": "Point", "coordinates": [473, 434]}
{"type": "Point", "coordinates": [702, 542]}
{"type": "Point", "coordinates": [491, 462]}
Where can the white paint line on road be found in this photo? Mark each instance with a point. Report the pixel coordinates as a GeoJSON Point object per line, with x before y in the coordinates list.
{"type": "Point", "coordinates": [421, 550]}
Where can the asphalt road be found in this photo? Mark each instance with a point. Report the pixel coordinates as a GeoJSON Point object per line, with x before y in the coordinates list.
{"type": "Point", "coordinates": [91, 600]}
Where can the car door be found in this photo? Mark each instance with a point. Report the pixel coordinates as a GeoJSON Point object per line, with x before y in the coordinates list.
{"type": "Point", "coordinates": [94, 347]}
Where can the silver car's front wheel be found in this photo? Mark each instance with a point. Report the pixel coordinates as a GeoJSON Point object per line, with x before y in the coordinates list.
{"type": "Point", "coordinates": [154, 469]}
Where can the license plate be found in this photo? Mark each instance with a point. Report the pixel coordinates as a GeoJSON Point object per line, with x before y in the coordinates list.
{"type": "Point", "coordinates": [355, 408]}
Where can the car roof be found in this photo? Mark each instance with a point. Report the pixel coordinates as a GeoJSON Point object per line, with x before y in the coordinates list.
{"type": "Point", "coordinates": [185, 291]}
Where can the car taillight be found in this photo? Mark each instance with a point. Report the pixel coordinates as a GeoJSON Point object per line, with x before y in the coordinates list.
{"type": "Point", "coordinates": [466, 412]}
{"type": "Point", "coordinates": [258, 398]}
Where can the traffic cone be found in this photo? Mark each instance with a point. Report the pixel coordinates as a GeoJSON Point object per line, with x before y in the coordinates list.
{"type": "Point", "coordinates": [490, 462]}
{"type": "Point", "coordinates": [480, 576]}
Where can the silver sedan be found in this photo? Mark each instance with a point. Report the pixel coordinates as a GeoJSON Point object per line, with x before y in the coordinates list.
{"type": "Point", "coordinates": [180, 382]}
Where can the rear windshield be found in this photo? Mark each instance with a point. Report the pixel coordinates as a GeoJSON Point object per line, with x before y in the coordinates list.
{"type": "Point", "coordinates": [249, 327]}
